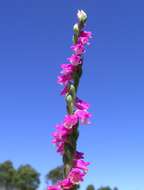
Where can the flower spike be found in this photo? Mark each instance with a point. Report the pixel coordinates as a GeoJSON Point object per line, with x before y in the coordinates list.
{"type": "Point", "coordinates": [66, 134]}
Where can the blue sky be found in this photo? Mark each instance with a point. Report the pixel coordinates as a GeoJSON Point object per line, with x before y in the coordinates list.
{"type": "Point", "coordinates": [34, 40]}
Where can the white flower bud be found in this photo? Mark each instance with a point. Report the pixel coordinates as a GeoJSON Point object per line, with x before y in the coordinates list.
{"type": "Point", "coordinates": [76, 28]}
{"type": "Point", "coordinates": [82, 16]}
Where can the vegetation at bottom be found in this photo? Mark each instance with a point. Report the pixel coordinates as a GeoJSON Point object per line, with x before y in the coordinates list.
{"type": "Point", "coordinates": [25, 177]}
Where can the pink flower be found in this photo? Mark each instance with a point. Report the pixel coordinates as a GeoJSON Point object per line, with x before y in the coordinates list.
{"type": "Point", "coordinates": [86, 34]}
{"type": "Point", "coordinates": [59, 136]}
{"type": "Point", "coordinates": [81, 164]}
{"type": "Point", "coordinates": [64, 79]}
{"type": "Point", "coordinates": [75, 59]}
{"type": "Point", "coordinates": [82, 105]}
{"type": "Point", "coordinates": [79, 155]}
{"type": "Point", "coordinates": [83, 115]}
{"type": "Point", "coordinates": [66, 184]}
{"type": "Point", "coordinates": [70, 121]}
{"type": "Point", "coordinates": [54, 187]}
{"type": "Point", "coordinates": [84, 40]}
{"type": "Point", "coordinates": [60, 148]}
{"type": "Point", "coordinates": [65, 91]}
{"type": "Point", "coordinates": [84, 37]}
{"type": "Point", "coordinates": [76, 176]}
{"type": "Point", "coordinates": [78, 48]}
{"type": "Point", "coordinates": [67, 69]}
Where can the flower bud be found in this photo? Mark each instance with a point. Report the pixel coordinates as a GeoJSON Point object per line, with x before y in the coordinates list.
{"type": "Point", "coordinates": [82, 16]}
{"type": "Point", "coordinates": [72, 91]}
{"type": "Point", "coordinates": [76, 28]}
{"type": "Point", "coordinates": [69, 101]}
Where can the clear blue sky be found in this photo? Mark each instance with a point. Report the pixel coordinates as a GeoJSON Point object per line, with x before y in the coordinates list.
{"type": "Point", "coordinates": [35, 36]}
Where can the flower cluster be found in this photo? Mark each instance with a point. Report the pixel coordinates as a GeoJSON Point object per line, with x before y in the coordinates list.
{"type": "Point", "coordinates": [75, 59]}
{"type": "Point", "coordinates": [79, 113]}
{"type": "Point", "coordinates": [75, 176]}
{"type": "Point", "coordinates": [64, 129]}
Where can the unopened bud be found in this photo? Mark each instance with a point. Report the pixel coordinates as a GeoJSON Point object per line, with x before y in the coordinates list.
{"type": "Point", "coordinates": [69, 101]}
{"type": "Point", "coordinates": [72, 90]}
{"type": "Point", "coordinates": [76, 28]}
{"type": "Point", "coordinates": [82, 16]}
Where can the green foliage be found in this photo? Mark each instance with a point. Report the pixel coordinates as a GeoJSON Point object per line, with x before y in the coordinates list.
{"type": "Point", "coordinates": [107, 188]}
{"type": "Point", "coordinates": [90, 187]}
{"type": "Point", "coordinates": [24, 178]}
{"type": "Point", "coordinates": [7, 174]}
{"type": "Point", "coordinates": [27, 178]}
{"type": "Point", "coordinates": [55, 174]}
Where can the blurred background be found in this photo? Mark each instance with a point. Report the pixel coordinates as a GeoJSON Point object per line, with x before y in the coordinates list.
{"type": "Point", "coordinates": [35, 37]}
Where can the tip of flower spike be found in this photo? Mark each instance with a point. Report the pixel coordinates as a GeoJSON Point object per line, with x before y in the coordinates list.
{"type": "Point", "coordinates": [82, 16]}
